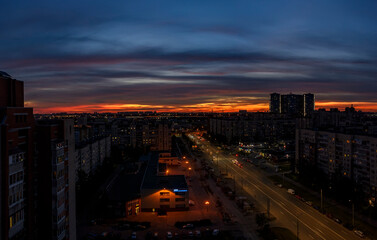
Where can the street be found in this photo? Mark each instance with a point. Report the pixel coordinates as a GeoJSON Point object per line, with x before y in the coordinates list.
{"type": "Point", "coordinates": [289, 211]}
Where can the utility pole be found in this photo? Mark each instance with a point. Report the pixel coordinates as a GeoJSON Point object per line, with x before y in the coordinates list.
{"type": "Point", "coordinates": [321, 201]}
{"type": "Point", "coordinates": [234, 182]}
{"type": "Point", "coordinates": [242, 183]}
{"type": "Point", "coordinates": [353, 214]}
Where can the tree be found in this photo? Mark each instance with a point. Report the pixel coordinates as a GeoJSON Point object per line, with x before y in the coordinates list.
{"type": "Point", "coordinates": [261, 220]}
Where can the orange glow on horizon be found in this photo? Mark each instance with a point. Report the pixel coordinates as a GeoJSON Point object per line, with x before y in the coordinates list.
{"type": "Point", "coordinates": [202, 107]}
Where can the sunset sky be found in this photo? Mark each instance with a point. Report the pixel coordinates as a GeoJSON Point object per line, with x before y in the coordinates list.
{"type": "Point", "coordinates": [178, 55]}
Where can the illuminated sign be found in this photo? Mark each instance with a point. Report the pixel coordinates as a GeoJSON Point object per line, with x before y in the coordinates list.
{"type": "Point", "coordinates": [180, 190]}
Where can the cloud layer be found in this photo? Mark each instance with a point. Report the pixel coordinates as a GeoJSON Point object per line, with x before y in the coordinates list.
{"type": "Point", "coordinates": [189, 56]}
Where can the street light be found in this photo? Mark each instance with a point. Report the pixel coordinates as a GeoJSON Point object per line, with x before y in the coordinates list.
{"type": "Point", "coordinates": [207, 204]}
{"type": "Point", "coordinates": [167, 171]}
{"type": "Point", "coordinates": [353, 213]}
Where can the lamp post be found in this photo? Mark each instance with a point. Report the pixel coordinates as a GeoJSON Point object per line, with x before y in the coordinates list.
{"type": "Point", "coordinates": [207, 204]}
{"type": "Point", "coordinates": [297, 229]}
{"type": "Point", "coordinates": [321, 201]}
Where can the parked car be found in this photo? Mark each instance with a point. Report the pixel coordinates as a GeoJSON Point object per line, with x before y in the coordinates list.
{"type": "Point", "coordinates": [169, 235]}
{"type": "Point", "coordinates": [215, 232]}
{"type": "Point", "coordinates": [188, 226]}
{"type": "Point", "coordinates": [291, 191]}
{"type": "Point", "coordinates": [133, 235]}
{"type": "Point", "coordinates": [337, 220]}
{"type": "Point", "coordinates": [140, 227]}
{"type": "Point", "coordinates": [91, 236]}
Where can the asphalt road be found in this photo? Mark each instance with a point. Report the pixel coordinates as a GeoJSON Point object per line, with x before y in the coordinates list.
{"type": "Point", "coordinates": [288, 210]}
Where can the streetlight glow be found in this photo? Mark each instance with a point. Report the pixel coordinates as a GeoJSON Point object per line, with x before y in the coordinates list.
{"type": "Point", "coordinates": [207, 204]}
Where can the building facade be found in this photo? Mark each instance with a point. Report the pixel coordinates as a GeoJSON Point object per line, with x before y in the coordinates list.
{"type": "Point", "coordinates": [254, 127]}
{"type": "Point", "coordinates": [350, 155]}
{"type": "Point", "coordinates": [55, 171]}
{"type": "Point", "coordinates": [294, 104]}
{"type": "Point", "coordinates": [163, 193]}
{"type": "Point", "coordinates": [91, 153]}
{"type": "Point", "coordinates": [16, 156]}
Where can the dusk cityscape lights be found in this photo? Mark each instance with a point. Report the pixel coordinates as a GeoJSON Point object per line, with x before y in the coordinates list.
{"type": "Point", "coordinates": [188, 120]}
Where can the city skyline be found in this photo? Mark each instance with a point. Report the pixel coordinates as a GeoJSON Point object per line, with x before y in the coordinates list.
{"type": "Point", "coordinates": [175, 56]}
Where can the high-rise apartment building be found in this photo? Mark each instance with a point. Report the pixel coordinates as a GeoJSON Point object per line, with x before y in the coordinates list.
{"type": "Point", "coordinates": [350, 155]}
{"type": "Point", "coordinates": [275, 103]}
{"type": "Point", "coordinates": [17, 217]}
{"type": "Point", "coordinates": [293, 104]}
{"type": "Point", "coordinates": [309, 104]}
{"type": "Point", "coordinates": [55, 172]}
{"type": "Point", "coordinates": [150, 133]}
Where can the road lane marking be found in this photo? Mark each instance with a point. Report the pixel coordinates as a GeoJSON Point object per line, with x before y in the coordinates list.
{"type": "Point", "coordinates": [225, 159]}
{"type": "Point", "coordinates": [270, 189]}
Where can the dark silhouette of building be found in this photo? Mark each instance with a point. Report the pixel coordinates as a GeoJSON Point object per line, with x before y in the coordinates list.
{"type": "Point", "coordinates": [309, 104]}
{"type": "Point", "coordinates": [16, 170]}
{"type": "Point", "coordinates": [55, 173]}
{"type": "Point", "coordinates": [275, 103]}
{"type": "Point", "coordinates": [293, 104]}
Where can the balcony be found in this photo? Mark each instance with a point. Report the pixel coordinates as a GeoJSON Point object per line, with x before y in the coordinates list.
{"type": "Point", "coordinates": [18, 227]}
{"type": "Point", "coordinates": [61, 235]}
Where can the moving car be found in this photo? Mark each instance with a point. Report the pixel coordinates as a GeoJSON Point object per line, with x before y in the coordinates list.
{"type": "Point", "coordinates": [291, 191]}
{"type": "Point", "coordinates": [359, 233]}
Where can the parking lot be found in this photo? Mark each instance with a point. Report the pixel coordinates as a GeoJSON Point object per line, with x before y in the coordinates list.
{"type": "Point", "coordinates": [204, 215]}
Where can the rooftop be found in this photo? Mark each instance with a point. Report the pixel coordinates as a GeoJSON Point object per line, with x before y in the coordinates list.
{"type": "Point", "coordinates": [153, 181]}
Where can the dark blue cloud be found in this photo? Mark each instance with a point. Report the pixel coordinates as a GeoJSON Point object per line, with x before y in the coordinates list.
{"type": "Point", "coordinates": [189, 51]}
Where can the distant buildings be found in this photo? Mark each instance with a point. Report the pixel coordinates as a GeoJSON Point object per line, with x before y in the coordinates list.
{"type": "Point", "coordinates": [297, 105]}
{"type": "Point", "coordinates": [143, 133]}
{"type": "Point", "coordinates": [92, 148]}
{"type": "Point", "coordinates": [253, 127]}
{"type": "Point", "coordinates": [17, 216]}
{"type": "Point", "coordinates": [150, 133]}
